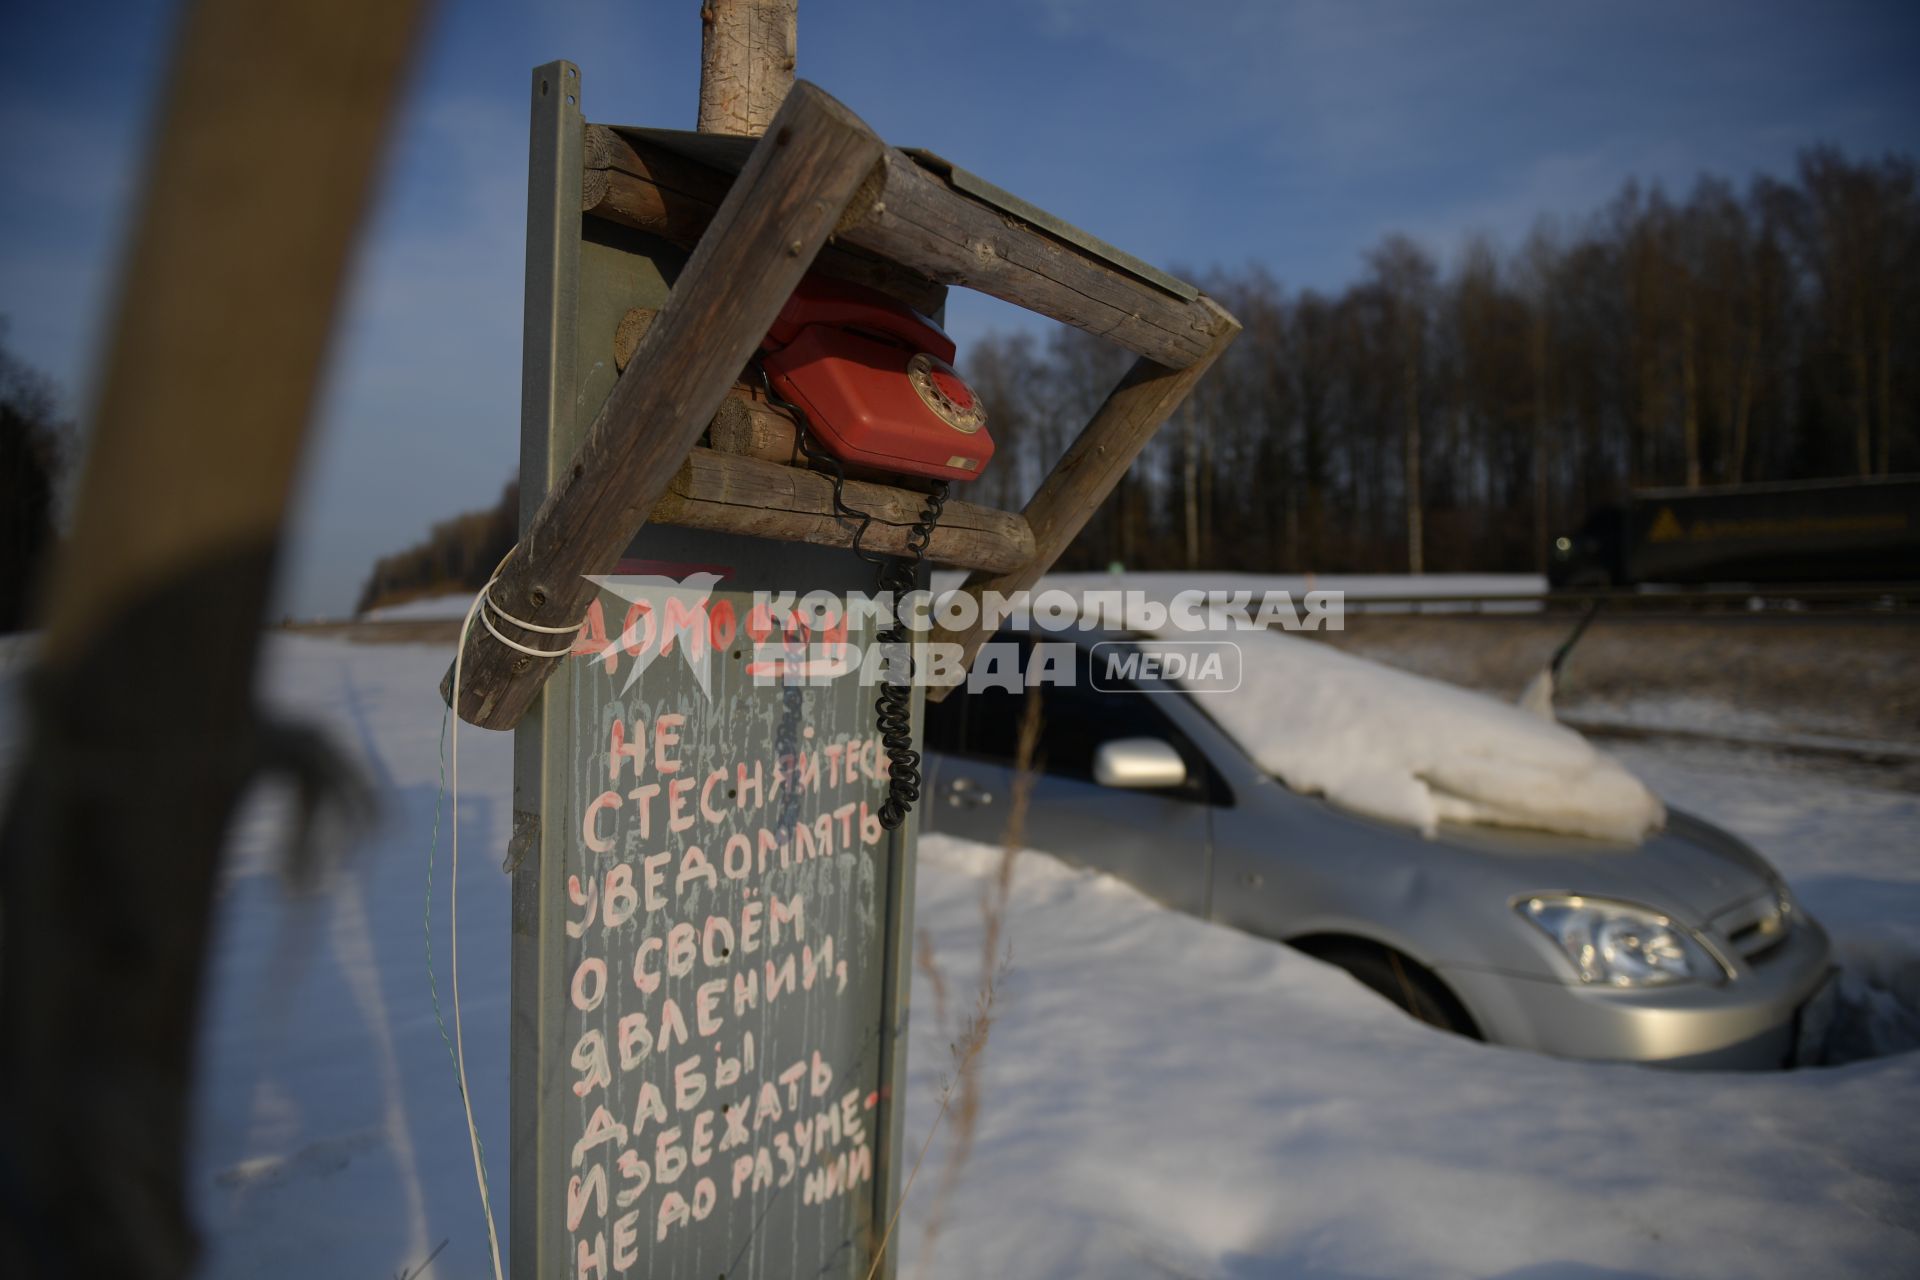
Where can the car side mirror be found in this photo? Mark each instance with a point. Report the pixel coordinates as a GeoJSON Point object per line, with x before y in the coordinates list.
{"type": "Point", "coordinates": [1138, 764]}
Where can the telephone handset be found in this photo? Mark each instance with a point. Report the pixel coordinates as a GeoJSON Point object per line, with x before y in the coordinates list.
{"type": "Point", "coordinates": [876, 381]}
{"type": "Point", "coordinates": [869, 381]}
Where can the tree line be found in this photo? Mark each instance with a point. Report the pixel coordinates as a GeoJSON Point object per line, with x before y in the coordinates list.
{"type": "Point", "coordinates": [34, 456]}
{"type": "Point", "coordinates": [456, 555]}
{"type": "Point", "coordinates": [1430, 419]}
{"type": "Point", "coordinates": [1455, 418]}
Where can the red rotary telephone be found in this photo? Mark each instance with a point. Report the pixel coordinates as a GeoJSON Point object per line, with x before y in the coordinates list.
{"type": "Point", "coordinates": [872, 383]}
{"type": "Point", "coordinates": [876, 381]}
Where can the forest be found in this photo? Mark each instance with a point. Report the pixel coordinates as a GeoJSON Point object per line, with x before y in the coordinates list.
{"type": "Point", "coordinates": [35, 446]}
{"type": "Point", "coordinates": [1451, 417]}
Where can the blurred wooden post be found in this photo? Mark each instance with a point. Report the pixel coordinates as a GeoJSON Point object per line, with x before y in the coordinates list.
{"type": "Point", "coordinates": [747, 58]}
{"type": "Point", "coordinates": [143, 729]}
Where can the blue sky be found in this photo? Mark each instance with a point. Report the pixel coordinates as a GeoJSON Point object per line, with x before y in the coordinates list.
{"type": "Point", "coordinates": [1193, 133]}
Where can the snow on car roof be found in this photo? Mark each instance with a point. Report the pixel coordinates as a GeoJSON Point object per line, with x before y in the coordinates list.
{"type": "Point", "coordinates": [1415, 751]}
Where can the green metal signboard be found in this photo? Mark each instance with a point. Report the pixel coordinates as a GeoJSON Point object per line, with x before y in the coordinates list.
{"type": "Point", "coordinates": [708, 967]}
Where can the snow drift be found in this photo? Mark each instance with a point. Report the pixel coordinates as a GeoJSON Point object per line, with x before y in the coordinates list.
{"type": "Point", "coordinates": [1416, 751]}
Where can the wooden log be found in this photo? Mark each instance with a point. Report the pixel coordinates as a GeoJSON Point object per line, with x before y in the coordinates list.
{"type": "Point", "coordinates": [673, 198]}
{"type": "Point", "coordinates": [1087, 472]}
{"type": "Point", "coordinates": [746, 62]}
{"type": "Point", "coordinates": [916, 218]}
{"type": "Point", "coordinates": [796, 186]}
{"type": "Point", "coordinates": [750, 427]}
{"type": "Point", "coordinates": [920, 220]}
{"type": "Point", "coordinates": [626, 338]}
{"type": "Point", "coordinates": [735, 494]}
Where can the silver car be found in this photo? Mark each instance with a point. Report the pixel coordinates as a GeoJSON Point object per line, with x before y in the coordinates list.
{"type": "Point", "coordinates": [1684, 950]}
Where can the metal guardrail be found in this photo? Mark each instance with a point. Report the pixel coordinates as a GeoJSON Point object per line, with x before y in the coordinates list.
{"type": "Point", "coordinates": [1824, 598]}
{"type": "Point", "coordinates": [1893, 755]}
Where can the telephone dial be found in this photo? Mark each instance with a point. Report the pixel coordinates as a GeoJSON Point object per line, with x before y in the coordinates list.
{"type": "Point", "coordinates": [870, 382]}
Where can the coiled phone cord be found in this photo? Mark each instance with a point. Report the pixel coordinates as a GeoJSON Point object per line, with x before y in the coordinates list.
{"type": "Point", "coordinates": [893, 709]}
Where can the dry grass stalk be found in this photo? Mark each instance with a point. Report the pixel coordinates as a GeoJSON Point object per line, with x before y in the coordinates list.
{"type": "Point", "coordinates": [928, 964]}
{"type": "Point", "coordinates": [960, 1090]}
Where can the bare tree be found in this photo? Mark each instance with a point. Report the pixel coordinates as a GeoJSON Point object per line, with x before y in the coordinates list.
{"type": "Point", "coordinates": [1539, 268]}
{"type": "Point", "coordinates": [1404, 275]}
{"type": "Point", "coordinates": [1413, 420]}
{"type": "Point", "coordinates": [33, 437]}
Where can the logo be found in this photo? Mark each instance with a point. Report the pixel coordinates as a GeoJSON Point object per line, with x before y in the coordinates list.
{"type": "Point", "coordinates": [664, 615]}
{"type": "Point", "coordinates": [1194, 666]}
{"type": "Point", "coordinates": [942, 390]}
{"type": "Point", "coordinates": [822, 636]}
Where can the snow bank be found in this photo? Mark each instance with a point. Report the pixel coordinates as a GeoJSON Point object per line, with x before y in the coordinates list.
{"type": "Point", "coordinates": [426, 609]}
{"type": "Point", "coordinates": [1415, 751]}
{"type": "Point", "coordinates": [1161, 1097]}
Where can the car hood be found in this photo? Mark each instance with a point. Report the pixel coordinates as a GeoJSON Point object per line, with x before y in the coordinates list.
{"type": "Point", "coordinates": [1692, 867]}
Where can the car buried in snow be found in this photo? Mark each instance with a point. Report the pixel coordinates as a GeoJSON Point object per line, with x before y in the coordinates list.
{"type": "Point", "coordinates": [1682, 947]}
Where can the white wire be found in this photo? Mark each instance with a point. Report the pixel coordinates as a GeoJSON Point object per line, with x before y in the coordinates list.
{"type": "Point", "coordinates": [515, 644]}
{"type": "Point", "coordinates": [482, 605]}
{"type": "Point", "coordinates": [453, 927]}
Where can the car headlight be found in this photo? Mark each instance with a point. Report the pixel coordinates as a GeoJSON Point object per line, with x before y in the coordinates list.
{"type": "Point", "coordinates": [1617, 944]}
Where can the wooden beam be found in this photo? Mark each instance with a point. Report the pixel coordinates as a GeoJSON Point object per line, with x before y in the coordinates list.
{"type": "Point", "coordinates": [916, 218]}
{"type": "Point", "coordinates": [1092, 465]}
{"type": "Point", "coordinates": [653, 190]}
{"type": "Point", "coordinates": [735, 494]}
{"type": "Point", "coordinates": [920, 220]}
{"type": "Point", "coordinates": [795, 188]}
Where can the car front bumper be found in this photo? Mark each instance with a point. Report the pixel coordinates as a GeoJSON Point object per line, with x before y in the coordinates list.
{"type": "Point", "coordinates": [1752, 1022]}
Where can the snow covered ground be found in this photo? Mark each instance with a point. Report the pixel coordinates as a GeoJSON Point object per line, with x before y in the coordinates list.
{"type": "Point", "coordinates": [1160, 1097]}
{"type": "Point", "coordinates": [425, 609]}
{"type": "Point", "coordinates": [1164, 1098]}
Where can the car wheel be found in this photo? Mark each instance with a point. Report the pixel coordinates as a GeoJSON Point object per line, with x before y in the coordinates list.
{"type": "Point", "coordinates": [1401, 981]}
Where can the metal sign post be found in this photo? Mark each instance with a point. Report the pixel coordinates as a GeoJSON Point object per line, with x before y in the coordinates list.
{"type": "Point", "coordinates": [708, 961]}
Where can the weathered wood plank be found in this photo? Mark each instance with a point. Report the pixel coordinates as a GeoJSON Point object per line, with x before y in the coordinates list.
{"type": "Point", "coordinates": [735, 494]}
{"type": "Point", "coordinates": [653, 190]}
{"type": "Point", "coordinates": [795, 187]}
{"type": "Point", "coordinates": [1087, 472]}
{"type": "Point", "coordinates": [919, 220]}
{"type": "Point", "coordinates": [915, 218]}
